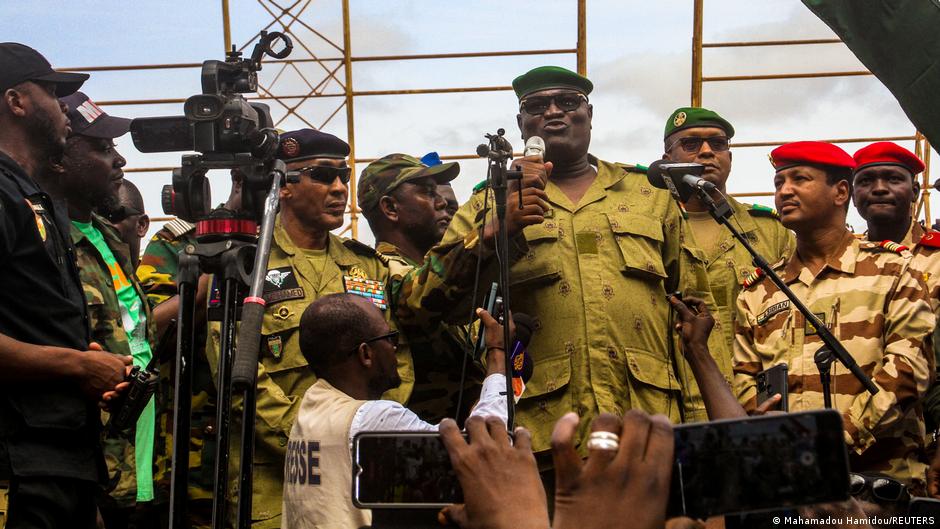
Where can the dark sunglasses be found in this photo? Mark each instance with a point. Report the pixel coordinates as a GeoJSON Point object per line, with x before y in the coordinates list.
{"type": "Point", "coordinates": [120, 213]}
{"type": "Point", "coordinates": [392, 338]}
{"type": "Point", "coordinates": [537, 105]}
{"type": "Point", "coordinates": [324, 174]}
{"type": "Point", "coordinates": [885, 489]}
{"type": "Point", "coordinates": [692, 144]}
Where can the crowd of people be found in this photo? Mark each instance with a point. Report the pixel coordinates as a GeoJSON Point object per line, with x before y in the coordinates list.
{"type": "Point", "coordinates": [357, 338]}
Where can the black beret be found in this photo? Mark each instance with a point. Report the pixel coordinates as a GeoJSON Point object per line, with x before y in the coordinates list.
{"type": "Point", "coordinates": [305, 144]}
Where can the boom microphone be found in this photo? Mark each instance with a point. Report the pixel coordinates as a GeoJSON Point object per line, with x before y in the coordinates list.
{"type": "Point", "coordinates": [684, 177]}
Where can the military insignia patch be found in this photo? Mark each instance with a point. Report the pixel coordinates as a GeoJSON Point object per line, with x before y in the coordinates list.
{"type": "Point", "coordinates": [808, 329]}
{"type": "Point", "coordinates": [370, 289]}
{"type": "Point", "coordinates": [892, 246]}
{"type": "Point", "coordinates": [679, 119]}
{"type": "Point", "coordinates": [40, 225]}
{"type": "Point", "coordinates": [357, 273]}
{"type": "Point", "coordinates": [275, 346]}
{"type": "Point", "coordinates": [280, 284]}
{"type": "Point", "coordinates": [290, 148]}
{"type": "Point", "coordinates": [931, 238]}
{"type": "Point", "coordinates": [772, 311]}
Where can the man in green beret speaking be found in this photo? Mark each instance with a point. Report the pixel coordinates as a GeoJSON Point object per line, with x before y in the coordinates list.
{"type": "Point", "coordinates": [594, 272]}
{"type": "Point", "coordinates": [699, 135]}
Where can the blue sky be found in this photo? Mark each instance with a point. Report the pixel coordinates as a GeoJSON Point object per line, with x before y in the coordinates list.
{"type": "Point", "coordinates": [638, 57]}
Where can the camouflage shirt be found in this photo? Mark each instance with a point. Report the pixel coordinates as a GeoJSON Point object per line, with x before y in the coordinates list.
{"type": "Point", "coordinates": [158, 271]}
{"type": "Point", "coordinates": [875, 305]}
{"type": "Point", "coordinates": [291, 284]}
{"type": "Point", "coordinates": [438, 357]}
{"type": "Point", "coordinates": [105, 320]}
{"type": "Point", "coordinates": [726, 270]}
{"type": "Point", "coordinates": [594, 275]}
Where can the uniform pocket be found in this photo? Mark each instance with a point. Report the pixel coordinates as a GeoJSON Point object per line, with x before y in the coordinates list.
{"type": "Point", "coordinates": [549, 375]}
{"type": "Point", "coordinates": [538, 265]}
{"type": "Point", "coordinates": [653, 384]}
{"type": "Point", "coordinates": [640, 240]}
{"type": "Point", "coordinates": [280, 339]}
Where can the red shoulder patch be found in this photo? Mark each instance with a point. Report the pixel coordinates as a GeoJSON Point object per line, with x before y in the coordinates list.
{"type": "Point", "coordinates": [931, 239]}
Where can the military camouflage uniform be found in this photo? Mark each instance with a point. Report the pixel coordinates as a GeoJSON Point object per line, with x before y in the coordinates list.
{"type": "Point", "coordinates": [875, 305]}
{"type": "Point", "coordinates": [158, 271]}
{"type": "Point", "coordinates": [594, 276]}
{"type": "Point", "coordinates": [104, 316]}
{"type": "Point", "coordinates": [726, 270]}
{"type": "Point", "coordinates": [438, 357]}
{"type": "Point", "coordinates": [291, 284]}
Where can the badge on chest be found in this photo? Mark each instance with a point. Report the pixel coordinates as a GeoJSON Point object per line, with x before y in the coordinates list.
{"type": "Point", "coordinates": [280, 284]}
{"type": "Point", "coordinates": [371, 289]}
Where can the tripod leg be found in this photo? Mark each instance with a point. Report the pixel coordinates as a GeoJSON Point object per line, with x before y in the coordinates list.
{"type": "Point", "coordinates": [223, 414]}
{"type": "Point", "coordinates": [182, 390]}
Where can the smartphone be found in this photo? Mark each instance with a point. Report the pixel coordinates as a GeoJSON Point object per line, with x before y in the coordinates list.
{"type": "Point", "coordinates": [758, 464]}
{"type": "Point", "coordinates": [921, 509]}
{"type": "Point", "coordinates": [492, 303]}
{"type": "Point", "coordinates": [772, 381]}
{"type": "Point", "coordinates": [403, 470]}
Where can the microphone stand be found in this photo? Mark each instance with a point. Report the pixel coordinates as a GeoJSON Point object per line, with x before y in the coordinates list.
{"type": "Point", "coordinates": [498, 153]}
{"type": "Point", "coordinates": [832, 349]}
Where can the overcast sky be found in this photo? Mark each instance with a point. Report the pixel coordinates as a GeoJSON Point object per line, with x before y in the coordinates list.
{"type": "Point", "coordinates": [639, 58]}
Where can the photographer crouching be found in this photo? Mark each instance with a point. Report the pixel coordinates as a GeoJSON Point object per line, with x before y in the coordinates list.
{"type": "Point", "coordinates": [351, 348]}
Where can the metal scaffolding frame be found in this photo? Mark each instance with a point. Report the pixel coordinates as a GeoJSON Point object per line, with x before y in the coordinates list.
{"type": "Point", "coordinates": [286, 15]}
{"type": "Point", "coordinates": [921, 146]}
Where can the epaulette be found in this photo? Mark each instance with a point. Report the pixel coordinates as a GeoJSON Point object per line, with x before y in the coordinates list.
{"type": "Point", "coordinates": [753, 278]}
{"type": "Point", "coordinates": [362, 248]}
{"type": "Point", "coordinates": [892, 246]}
{"type": "Point", "coordinates": [178, 227]}
{"type": "Point", "coordinates": [479, 187]}
{"type": "Point", "coordinates": [756, 210]}
{"type": "Point", "coordinates": [931, 239]}
{"type": "Point", "coordinates": [632, 167]}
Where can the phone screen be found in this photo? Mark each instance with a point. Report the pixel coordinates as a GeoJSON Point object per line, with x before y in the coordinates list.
{"type": "Point", "coordinates": [758, 463]}
{"type": "Point", "coordinates": [398, 468]}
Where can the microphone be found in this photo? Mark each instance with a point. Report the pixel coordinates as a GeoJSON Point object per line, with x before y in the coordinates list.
{"type": "Point", "coordinates": [522, 367]}
{"type": "Point", "coordinates": [683, 176]}
{"type": "Point", "coordinates": [534, 146]}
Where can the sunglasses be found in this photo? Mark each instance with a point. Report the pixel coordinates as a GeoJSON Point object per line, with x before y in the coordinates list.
{"type": "Point", "coordinates": [324, 174]}
{"type": "Point", "coordinates": [537, 105]}
{"type": "Point", "coordinates": [692, 144]}
{"type": "Point", "coordinates": [885, 489]}
{"type": "Point", "coordinates": [392, 338]}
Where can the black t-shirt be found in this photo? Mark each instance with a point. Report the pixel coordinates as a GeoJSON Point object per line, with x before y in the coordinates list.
{"type": "Point", "coordinates": [47, 428]}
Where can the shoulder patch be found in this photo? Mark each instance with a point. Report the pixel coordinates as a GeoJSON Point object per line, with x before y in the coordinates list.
{"type": "Point", "coordinates": [931, 239]}
{"type": "Point", "coordinates": [756, 210]}
{"type": "Point", "coordinates": [892, 246]}
{"type": "Point", "coordinates": [753, 278]}
{"type": "Point", "coordinates": [479, 187]}
{"type": "Point", "coordinates": [360, 248]}
{"type": "Point", "coordinates": [178, 228]}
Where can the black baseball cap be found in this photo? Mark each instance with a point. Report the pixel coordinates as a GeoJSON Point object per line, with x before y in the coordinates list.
{"type": "Point", "coordinates": [19, 63]}
{"type": "Point", "coordinates": [87, 119]}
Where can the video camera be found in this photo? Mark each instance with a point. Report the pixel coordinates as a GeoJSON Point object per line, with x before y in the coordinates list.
{"type": "Point", "coordinates": [228, 131]}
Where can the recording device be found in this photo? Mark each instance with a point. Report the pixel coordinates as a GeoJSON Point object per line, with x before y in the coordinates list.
{"type": "Point", "coordinates": [923, 508]}
{"type": "Point", "coordinates": [720, 467]}
{"type": "Point", "coordinates": [491, 303]}
{"type": "Point", "coordinates": [224, 127]}
{"type": "Point", "coordinates": [143, 384]}
{"type": "Point", "coordinates": [684, 177]}
{"type": "Point", "coordinates": [534, 146]}
{"type": "Point", "coordinates": [772, 381]}
{"type": "Point", "coordinates": [758, 463]}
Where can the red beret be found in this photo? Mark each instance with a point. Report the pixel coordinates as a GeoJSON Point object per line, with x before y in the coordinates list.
{"type": "Point", "coordinates": [810, 153]}
{"type": "Point", "coordinates": [887, 153]}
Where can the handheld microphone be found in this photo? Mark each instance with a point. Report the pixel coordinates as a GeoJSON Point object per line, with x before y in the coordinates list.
{"type": "Point", "coordinates": [525, 325]}
{"type": "Point", "coordinates": [684, 176]}
{"type": "Point", "coordinates": [534, 146]}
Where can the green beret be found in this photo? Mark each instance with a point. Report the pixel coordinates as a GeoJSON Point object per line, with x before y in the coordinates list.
{"type": "Point", "coordinates": [384, 175]}
{"type": "Point", "coordinates": [688, 117]}
{"type": "Point", "coordinates": [548, 77]}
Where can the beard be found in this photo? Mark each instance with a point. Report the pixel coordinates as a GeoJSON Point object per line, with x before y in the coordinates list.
{"type": "Point", "coordinates": [46, 136]}
{"type": "Point", "coordinates": [382, 383]}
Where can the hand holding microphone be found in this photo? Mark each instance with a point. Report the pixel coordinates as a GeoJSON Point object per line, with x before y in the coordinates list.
{"type": "Point", "coordinates": [527, 202]}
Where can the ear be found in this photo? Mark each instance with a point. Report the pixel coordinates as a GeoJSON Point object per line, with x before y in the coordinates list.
{"type": "Point", "coordinates": [590, 111]}
{"type": "Point", "coordinates": [915, 187]}
{"type": "Point", "coordinates": [143, 224]}
{"type": "Point", "coordinates": [14, 100]}
{"type": "Point", "coordinates": [285, 192]}
{"type": "Point", "coordinates": [842, 194]}
{"type": "Point", "coordinates": [365, 356]}
{"type": "Point", "coordinates": [519, 123]}
{"type": "Point", "coordinates": [389, 208]}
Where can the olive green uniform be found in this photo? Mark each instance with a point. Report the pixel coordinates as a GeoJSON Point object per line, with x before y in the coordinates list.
{"type": "Point", "coordinates": [291, 284]}
{"type": "Point", "coordinates": [594, 275]}
{"type": "Point", "coordinates": [728, 264]}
